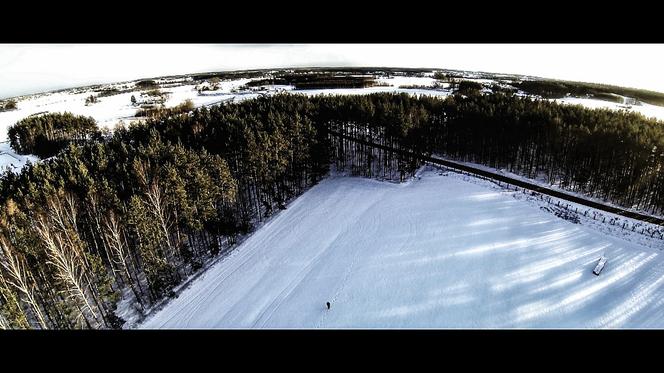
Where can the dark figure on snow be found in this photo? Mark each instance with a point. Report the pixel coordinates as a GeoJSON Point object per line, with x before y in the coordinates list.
{"type": "Point", "coordinates": [328, 305]}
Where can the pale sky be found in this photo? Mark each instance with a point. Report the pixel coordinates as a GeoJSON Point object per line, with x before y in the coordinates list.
{"type": "Point", "coordinates": [32, 68]}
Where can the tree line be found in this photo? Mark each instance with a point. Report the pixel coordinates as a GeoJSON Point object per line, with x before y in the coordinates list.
{"type": "Point", "coordinates": [617, 156]}
{"type": "Point", "coordinates": [45, 135]}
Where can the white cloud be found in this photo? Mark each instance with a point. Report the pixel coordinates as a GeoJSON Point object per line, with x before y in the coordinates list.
{"type": "Point", "coordinates": [33, 68]}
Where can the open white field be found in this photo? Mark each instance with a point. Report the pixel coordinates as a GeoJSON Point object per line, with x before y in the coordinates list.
{"type": "Point", "coordinates": [647, 110]}
{"type": "Point", "coordinates": [435, 252]}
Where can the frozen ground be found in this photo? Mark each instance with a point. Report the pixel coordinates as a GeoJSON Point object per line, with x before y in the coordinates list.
{"type": "Point", "coordinates": [444, 250]}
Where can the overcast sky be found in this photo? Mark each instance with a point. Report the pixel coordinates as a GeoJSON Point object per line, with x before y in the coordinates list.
{"type": "Point", "coordinates": [34, 68]}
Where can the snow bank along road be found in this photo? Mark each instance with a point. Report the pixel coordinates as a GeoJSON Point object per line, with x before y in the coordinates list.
{"type": "Point", "coordinates": [434, 252]}
{"type": "Point", "coordinates": [517, 182]}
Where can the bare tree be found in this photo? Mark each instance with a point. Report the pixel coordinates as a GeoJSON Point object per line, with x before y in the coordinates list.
{"type": "Point", "coordinates": [65, 260]}
{"type": "Point", "coordinates": [21, 279]}
{"type": "Point", "coordinates": [10, 299]}
{"type": "Point", "coordinates": [120, 255]}
{"type": "Point", "coordinates": [63, 215]}
{"type": "Point", "coordinates": [156, 203]}
{"type": "Point", "coordinates": [96, 216]}
{"type": "Point", "coordinates": [4, 325]}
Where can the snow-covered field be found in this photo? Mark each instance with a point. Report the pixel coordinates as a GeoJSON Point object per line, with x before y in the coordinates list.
{"type": "Point", "coordinates": [542, 180]}
{"type": "Point", "coordinates": [370, 90]}
{"type": "Point", "coordinates": [108, 112]}
{"type": "Point", "coordinates": [396, 81]}
{"type": "Point", "coordinates": [650, 111]}
{"type": "Point", "coordinates": [111, 110]}
{"type": "Point", "coordinates": [12, 161]}
{"type": "Point", "coordinates": [443, 250]}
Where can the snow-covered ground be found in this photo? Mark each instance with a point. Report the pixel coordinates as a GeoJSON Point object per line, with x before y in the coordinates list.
{"type": "Point", "coordinates": [396, 81]}
{"type": "Point", "coordinates": [635, 231]}
{"type": "Point", "coordinates": [370, 90]}
{"type": "Point", "coordinates": [108, 112]}
{"type": "Point", "coordinates": [111, 110]}
{"type": "Point", "coordinates": [650, 111]}
{"type": "Point", "coordinates": [12, 161]}
{"type": "Point", "coordinates": [542, 180]}
{"type": "Point", "coordinates": [443, 250]}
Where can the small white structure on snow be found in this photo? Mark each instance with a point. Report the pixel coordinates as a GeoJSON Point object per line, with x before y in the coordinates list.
{"type": "Point", "coordinates": [600, 265]}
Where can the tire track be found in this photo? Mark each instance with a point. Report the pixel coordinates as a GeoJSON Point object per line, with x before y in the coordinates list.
{"type": "Point", "coordinates": [373, 226]}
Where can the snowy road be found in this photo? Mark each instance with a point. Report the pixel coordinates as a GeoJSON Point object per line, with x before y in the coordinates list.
{"type": "Point", "coordinates": [435, 252]}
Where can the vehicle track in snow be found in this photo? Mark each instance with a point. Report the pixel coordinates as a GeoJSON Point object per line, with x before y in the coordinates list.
{"type": "Point", "coordinates": [368, 233]}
